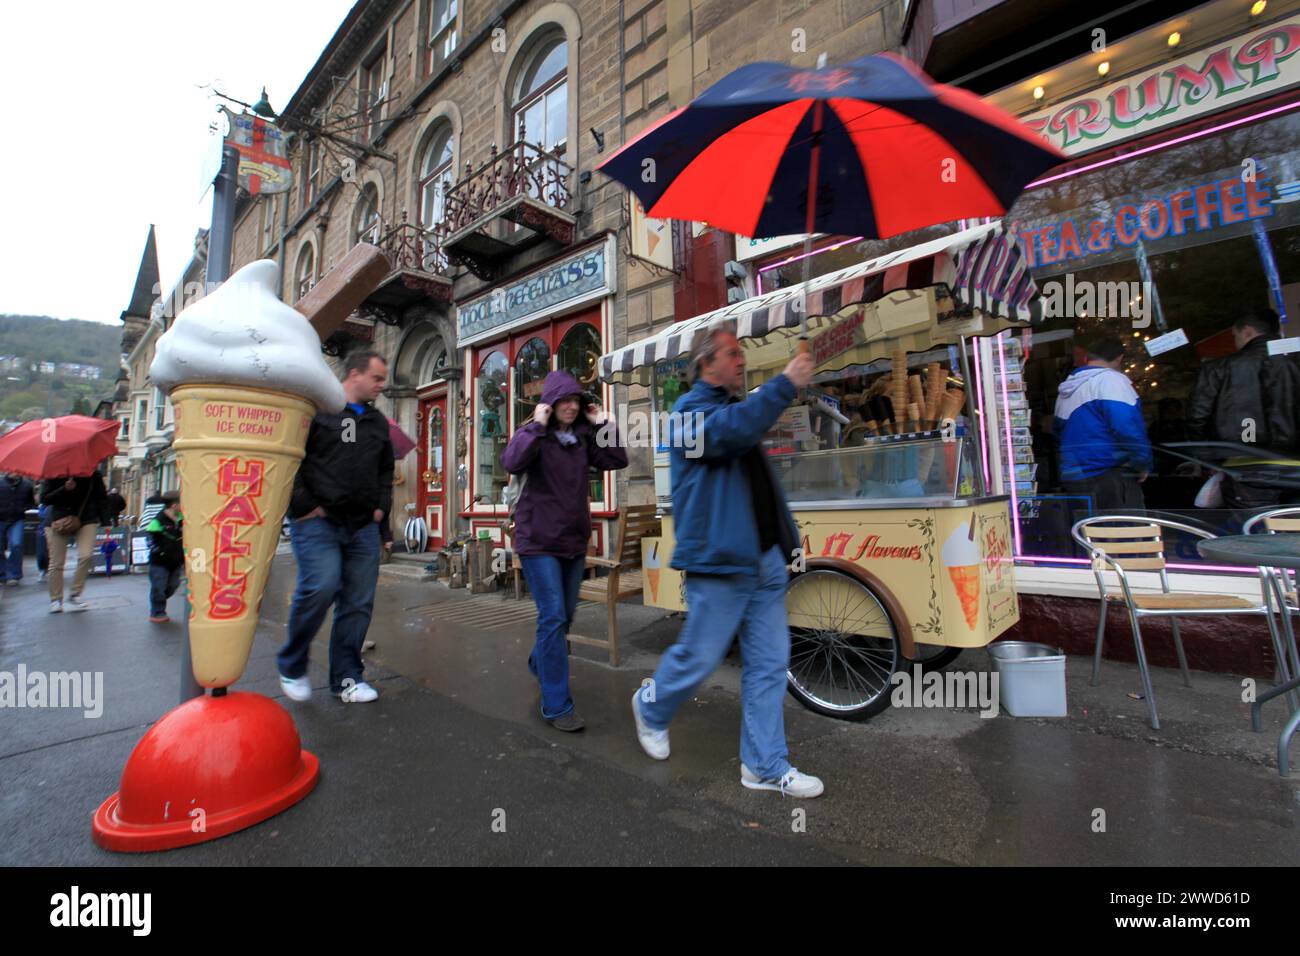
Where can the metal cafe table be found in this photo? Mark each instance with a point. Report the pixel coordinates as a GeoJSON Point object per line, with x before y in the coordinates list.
{"type": "Point", "coordinates": [1265, 551]}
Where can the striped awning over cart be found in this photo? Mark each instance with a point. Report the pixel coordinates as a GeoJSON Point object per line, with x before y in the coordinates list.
{"type": "Point", "coordinates": [982, 267]}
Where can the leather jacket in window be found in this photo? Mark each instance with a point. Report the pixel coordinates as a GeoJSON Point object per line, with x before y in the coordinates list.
{"type": "Point", "coordinates": [1249, 386]}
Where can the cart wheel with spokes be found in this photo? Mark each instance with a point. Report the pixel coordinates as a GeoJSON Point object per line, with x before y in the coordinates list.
{"type": "Point", "coordinates": [843, 645]}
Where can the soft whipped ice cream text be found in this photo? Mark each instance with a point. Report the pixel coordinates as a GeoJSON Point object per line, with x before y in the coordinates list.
{"type": "Point", "coordinates": [242, 334]}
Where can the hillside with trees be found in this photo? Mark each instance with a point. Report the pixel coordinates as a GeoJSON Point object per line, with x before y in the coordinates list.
{"type": "Point", "coordinates": [30, 345]}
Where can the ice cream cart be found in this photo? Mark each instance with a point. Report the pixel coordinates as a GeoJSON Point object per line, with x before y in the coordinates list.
{"type": "Point", "coordinates": [906, 557]}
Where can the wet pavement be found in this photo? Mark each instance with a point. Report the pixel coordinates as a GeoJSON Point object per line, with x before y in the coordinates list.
{"type": "Point", "coordinates": [454, 744]}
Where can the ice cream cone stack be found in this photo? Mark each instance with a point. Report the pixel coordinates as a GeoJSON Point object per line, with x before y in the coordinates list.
{"type": "Point", "coordinates": [899, 394]}
{"type": "Point", "coordinates": [950, 407]}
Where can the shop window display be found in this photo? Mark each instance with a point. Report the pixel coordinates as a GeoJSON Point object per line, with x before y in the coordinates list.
{"type": "Point", "coordinates": [1183, 240]}
{"type": "Point", "coordinates": [531, 365]}
{"type": "Point", "coordinates": [491, 428]}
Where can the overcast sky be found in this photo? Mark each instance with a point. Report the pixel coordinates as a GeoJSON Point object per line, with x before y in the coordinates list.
{"type": "Point", "coordinates": [107, 127]}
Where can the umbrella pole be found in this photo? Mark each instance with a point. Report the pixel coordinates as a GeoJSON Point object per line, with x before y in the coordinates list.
{"type": "Point", "coordinates": [810, 218]}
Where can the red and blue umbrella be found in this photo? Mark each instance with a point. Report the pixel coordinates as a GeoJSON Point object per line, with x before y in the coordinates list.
{"type": "Point", "coordinates": [870, 148]}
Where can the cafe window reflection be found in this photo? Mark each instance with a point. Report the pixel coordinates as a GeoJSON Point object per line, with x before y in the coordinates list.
{"type": "Point", "coordinates": [491, 428]}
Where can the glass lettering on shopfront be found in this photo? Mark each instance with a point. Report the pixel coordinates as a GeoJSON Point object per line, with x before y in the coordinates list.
{"type": "Point", "coordinates": [1189, 209]}
{"type": "Point", "coordinates": [543, 291]}
{"type": "Point", "coordinates": [1174, 94]}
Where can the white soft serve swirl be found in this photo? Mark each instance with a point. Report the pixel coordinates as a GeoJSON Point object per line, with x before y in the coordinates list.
{"type": "Point", "coordinates": [241, 334]}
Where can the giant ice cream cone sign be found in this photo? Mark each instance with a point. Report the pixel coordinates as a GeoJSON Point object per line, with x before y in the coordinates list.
{"type": "Point", "coordinates": [961, 556]}
{"type": "Point", "coordinates": [246, 376]}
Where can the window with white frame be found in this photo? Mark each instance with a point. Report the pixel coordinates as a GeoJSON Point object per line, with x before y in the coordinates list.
{"type": "Point", "coordinates": [443, 34]}
{"type": "Point", "coordinates": [159, 409]}
{"type": "Point", "coordinates": [436, 175]}
{"type": "Point", "coordinates": [374, 90]}
{"type": "Point", "coordinates": [306, 271]}
{"type": "Point", "coordinates": [366, 223]}
{"type": "Point", "coordinates": [541, 101]}
{"type": "Point", "coordinates": [310, 172]}
{"type": "Point", "coordinates": [269, 204]}
{"type": "Point", "coordinates": [141, 416]}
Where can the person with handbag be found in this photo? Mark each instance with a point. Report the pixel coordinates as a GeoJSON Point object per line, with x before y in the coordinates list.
{"type": "Point", "coordinates": [78, 506]}
{"type": "Point", "coordinates": [552, 524]}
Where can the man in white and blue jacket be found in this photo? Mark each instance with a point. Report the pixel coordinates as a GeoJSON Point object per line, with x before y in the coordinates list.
{"type": "Point", "coordinates": [735, 541]}
{"type": "Point", "coordinates": [1105, 453]}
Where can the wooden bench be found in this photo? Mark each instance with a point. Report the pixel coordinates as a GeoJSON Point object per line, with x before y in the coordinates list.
{"type": "Point", "coordinates": [623, 579]}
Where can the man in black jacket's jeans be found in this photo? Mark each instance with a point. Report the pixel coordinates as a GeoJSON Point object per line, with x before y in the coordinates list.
{"type": "Point", "coordinates": [343, 490]}
{"type": "Point", "coordinates": [1249, 397]}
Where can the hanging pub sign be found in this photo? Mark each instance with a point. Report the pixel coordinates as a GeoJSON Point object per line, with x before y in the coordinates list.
{"type": "Point", "coordinates": [263, 165]}
{"type": "Point", "coordinates": [1260, 63]}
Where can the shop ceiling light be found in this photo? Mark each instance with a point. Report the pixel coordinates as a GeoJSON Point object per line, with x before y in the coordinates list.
{"type": "Point", "coordinates": [1038, 92]}
{"type": "Point", "coordinates": [1258, 7]}
{"type": "Point", "coordinates": [1175, 38]}
{"type": "Point", "coordinates": [1103, 67]}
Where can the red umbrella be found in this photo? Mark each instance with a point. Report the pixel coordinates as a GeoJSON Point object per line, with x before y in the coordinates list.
{"type": "Point", "coordinates": [402, 442]}
{"type": "Point", "coordinates": [871, 148]}
{"type": "Point", "coordinates": [68, 446]}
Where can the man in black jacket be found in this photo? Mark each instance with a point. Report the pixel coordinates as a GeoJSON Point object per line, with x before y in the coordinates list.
{"type": "Point", "coordinates": [15, 498]}
{"type": "Point", "coordinates": [343, 490]}
{"type": "Point", "coordinates": [1249, 397]}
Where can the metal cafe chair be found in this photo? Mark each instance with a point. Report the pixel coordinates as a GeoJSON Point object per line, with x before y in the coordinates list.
{"type": "Point", "coordinates": [1281, 584]}
{"type": "Point", "coordinates": [1124, 543]}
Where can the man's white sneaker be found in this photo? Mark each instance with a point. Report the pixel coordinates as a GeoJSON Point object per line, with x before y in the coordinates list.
{"type": "Point", "coordinates": [75, 604]}
{"type": "Point", "coordinates": [361, 693]}
{"type": "Point", "coordinates": [56, 607]}
{"type": "Point", "coordinates": [653, 742]}
{"type": "Point", "coordinates": [296, 688]}
{"type": "Point", "coordinates": [793, 784]}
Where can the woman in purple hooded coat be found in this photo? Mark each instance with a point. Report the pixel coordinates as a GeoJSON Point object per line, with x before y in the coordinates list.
{"type": "Point", "coordinates": [553, 523]}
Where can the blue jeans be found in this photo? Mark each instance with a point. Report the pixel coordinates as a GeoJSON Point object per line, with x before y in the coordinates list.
{"type": "Point", "coordinates": [11, 538]}
{"type": "Point", "coordinates": [42, 550]}
{"type": "Point", "coordinates": [163, 583]}
{"type": "Point", "coordinates": [719, 606]}
{"type": "Point", "coordinates": [335, 567]}
{"type": "Point", "coordinates": [555, 583]}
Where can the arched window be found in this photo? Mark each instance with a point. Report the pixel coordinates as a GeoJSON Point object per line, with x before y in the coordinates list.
{"type": "Point", "coordinates": [540, 109]}
{"type": "Point", "coordinates": [490, 428]}
{"type": "Point", "coordinates": [436, 175]}
{"type": "Point", "coordinates": [532, 362]}
{"type": "Point", "coordinates": [306, 271]}
{"type": "Point", "coordinates": [367, 225]}
{"type": "Point", "coordinates": [579, 354]}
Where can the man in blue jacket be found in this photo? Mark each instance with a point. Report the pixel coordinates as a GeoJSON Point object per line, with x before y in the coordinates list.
{"type": "Point", "coordinates": [735, 542]}
{"type": "Point", "coordinates": [1105, 452]}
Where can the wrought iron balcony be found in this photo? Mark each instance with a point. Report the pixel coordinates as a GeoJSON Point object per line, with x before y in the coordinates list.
{"type": "Point", "coordinates": [518, 197]}
{"type": "Point", "coordinates": [420, 271]}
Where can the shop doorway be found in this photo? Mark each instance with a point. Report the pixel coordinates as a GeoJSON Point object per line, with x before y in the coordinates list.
{"type": "Point", "coordinates": [432, 497]}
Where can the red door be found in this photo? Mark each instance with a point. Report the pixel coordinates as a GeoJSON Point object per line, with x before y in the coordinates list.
{"type": "Point", "coordinates": [433, 468]}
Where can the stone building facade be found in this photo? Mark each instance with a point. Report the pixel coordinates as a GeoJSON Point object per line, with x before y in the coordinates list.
{"type": "Point", "coordinates": [462, 137]}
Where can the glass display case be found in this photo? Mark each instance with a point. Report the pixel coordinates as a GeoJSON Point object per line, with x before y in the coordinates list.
{"type": "Point", "coordinates": [929, 465]}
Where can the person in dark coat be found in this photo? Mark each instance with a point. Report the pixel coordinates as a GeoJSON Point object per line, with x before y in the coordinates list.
{"type": "Point", "coordinates": [166, 556]}
{"type": "Point", "coordinates": [553, 523]}
{"type": "Point", "coordinates": [83, 498]}
{"type": "Point", "coordinates": [116, 505]}
{"type": "Point", "coordinates": [343, 490]}
{"type": "Point", "coordinates": [16, 497]}
{"type": "Point", "coordinates": [1251, 398]}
